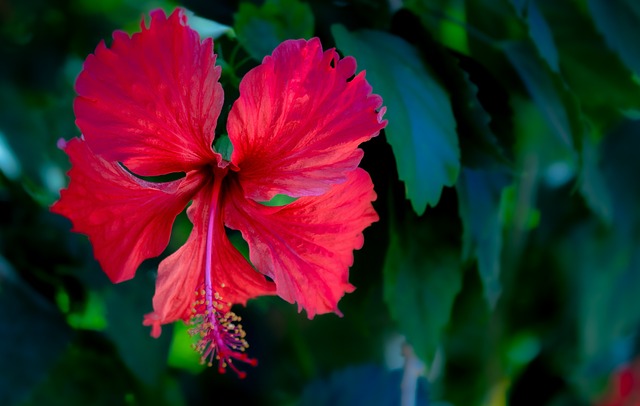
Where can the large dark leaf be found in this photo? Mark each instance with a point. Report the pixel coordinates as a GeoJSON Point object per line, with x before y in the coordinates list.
{"type": "Point", "coordinates": [477, 98]}
{"type": "Point", "coordinates": [422, 128]}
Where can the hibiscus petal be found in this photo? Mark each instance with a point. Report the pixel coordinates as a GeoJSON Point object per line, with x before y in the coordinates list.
{"type": "Point", "coordinates": [126, 219]}
{"type": "Point", "coordinates": [307, 246]}
{"type": "Point", "coordinates": [298, 122]}
{"type": "Point", "coordinates": [153, 99]}
{"type": "Point", "coordinates": [182, 274]}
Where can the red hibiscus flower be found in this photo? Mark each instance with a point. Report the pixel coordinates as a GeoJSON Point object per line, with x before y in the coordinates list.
{"type": "Point", "coordinates": [624, 387]}
{"type": "Point", "coordinates": [148, 106]}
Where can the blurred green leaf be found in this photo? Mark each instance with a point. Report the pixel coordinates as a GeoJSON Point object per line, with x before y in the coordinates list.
{"type": "Point", "coordinates": [33, 334]}
{"type": "Point", "coordinates": [592, 183]}
{"type": "Point", "coordinates": [469, 345]}
{"type": "Point", "coordinates": [520, 351]}
{"type": "Point", "coordinates": [261, 29]}
{"type": "Point", "coordinates": [512, 214]}
{"type": "Point", "coordinates": [449, 31]}
{"type": "Point", "coordinates": [93, 315]}
{"type": "Point", "coordinates": [88, 374]}
{"type": "Point", "coordinates": [605, 277]}
{"type": "Point", "coordinates": [91, 373]}
{"type": "Point", "coordinates": [603, 84]}
{"type": "Point", "coordinates": [602, 262]}
{"type": "Point", "coordinates": [619, 22]}
{"type": "Point", "coordinates": [539, 31]}
{"type": "Point", "coordinates": [126, 304]}
{"type": "Point", "coordinates": [545, 90]}
{"type": "Point", "coordinates": [421, 129]}
{"type": "Point", "coordinates": [181, 353]}
{"type": "Point", "coordinates": [479, 196]}
{"type": "Point", "coordinates": [422, 277]}
{"type": "Point", "coordinates": [361, 385]}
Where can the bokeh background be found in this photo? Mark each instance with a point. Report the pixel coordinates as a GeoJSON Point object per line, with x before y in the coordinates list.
{"type": "Point", "coordinates": [504, 270]}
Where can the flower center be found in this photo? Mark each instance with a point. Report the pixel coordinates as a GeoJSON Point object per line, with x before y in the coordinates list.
{"type": "Point", "coordinates": [221, 337]}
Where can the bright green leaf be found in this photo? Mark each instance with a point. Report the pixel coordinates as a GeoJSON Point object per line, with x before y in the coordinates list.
{"type": "Point", "coordinates": [92, 316]}
{"type": "Point", "coordinates": [422, 277]}
{"type": "Point", "coordinates": [261, 29]}
{"type": "Point", "coordinates": [421, 129]}
{"type": "Point", "coordinates": [280, 200]}
{"type": "Point", "coordinates": [181, 353]}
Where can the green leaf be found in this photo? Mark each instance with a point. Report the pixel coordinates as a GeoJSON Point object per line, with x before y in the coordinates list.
{"type": "Point", "coordinates": [279, 200]}
{"type": "Point", "coordinates": [261, 29]}
{"type": "Point", "coordinates": [619, 22]}
{"type": "Point", "coordinates": [223, 146]}
{"type": "Point", "coordinates": [479, 196]}
{"type": "Point", "coordinates": [476, 98]}
{"type": "Point", "coordinates": [422, 128]}
{"type": "Point", "coordinates": [422, 277]}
